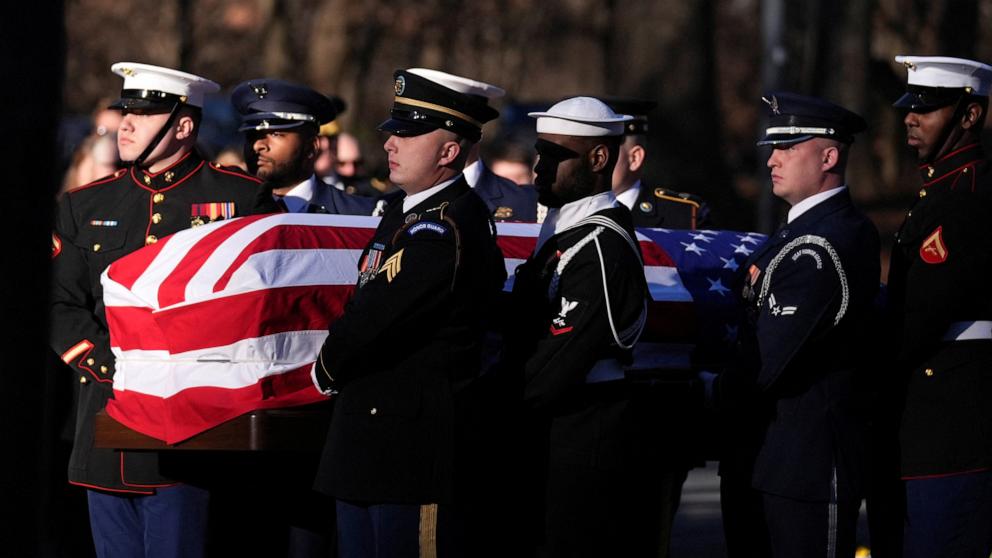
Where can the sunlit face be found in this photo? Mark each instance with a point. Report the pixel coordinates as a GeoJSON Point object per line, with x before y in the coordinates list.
{"type": "Point", "coordinates": [520, 173]}
{"type": "Point", "coordinates": [137, 129]}
{"type": "Point", "coordinates": [280, 155]}
{"type": "Point", "coordinates": [924, 130]}
{"type": "Point", "coordinates": [797, 169]}
{"type": "Point", "coordinates": [415, 162]}
{"type": "Point", "coordinates": [349, 156]}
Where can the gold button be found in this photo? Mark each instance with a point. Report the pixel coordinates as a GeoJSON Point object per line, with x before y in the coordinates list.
{"type": "Point", "coordinates": [928, 372]}
{"type": "Point", "coordinates": [929, 172]}
{"type": "Point", "coordinates": [148, 179]}
{"type": "Point", "coordinates": [169, 176]}
{"type": "Point", "coordinates": [158, 198]}
{"type": "Point", "coordinates": [156, 218]}
{"type": "Point", "coordinates": [373, 411]}
{"type": "Point", "coordinates": [90, 362]}
{"type": "Point", "coordinates": [96, 247]}
{"type": "Point", "coordinates": [104, 370]}
{"type": "Point", "coordinates": [82, 379]}
{"type": "Point", "coordinates": [965, 171]}
{"type": "Point", "coordinates": [923, 193]}
{"type": "Point", "coordinates": [150, 239]}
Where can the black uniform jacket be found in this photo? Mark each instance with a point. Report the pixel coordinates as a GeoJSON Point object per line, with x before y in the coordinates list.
{"type": "Point", "coordinates": [807, 293]}
{"type": "Point", "coordinates": [667, 209]}
{"type": "Point", "coordinates": [97, 224]}
{"type": "Point", "coordinates": [563, 329]}
{"type": "Point", "coordinates": [939, 275]}
{"type": "Point", "coordinates": [408, 341]}
{"type": "Point", "coordinates": [506, 200]}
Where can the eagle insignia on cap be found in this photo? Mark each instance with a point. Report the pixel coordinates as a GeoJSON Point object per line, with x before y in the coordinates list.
{"type": "Point", "coordinates": [259, 90]}
{"type": "Point", "coordinates": [400, 85]}
{"type": "Point", "coordinates": [127, 72]}
{"type": "Point", "coordinates": [773, 103]}
{"type": "Point", "coordinates": [909, 65]}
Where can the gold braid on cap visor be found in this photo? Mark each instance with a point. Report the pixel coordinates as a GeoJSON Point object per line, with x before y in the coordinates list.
{"type": "Point", "coordinates": [438, 108]}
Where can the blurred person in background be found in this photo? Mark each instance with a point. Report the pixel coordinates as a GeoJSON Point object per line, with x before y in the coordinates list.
{"type": "Point", "coordinates": [231, 157]}
{"type": "Point", "coordinates": [513, 161]}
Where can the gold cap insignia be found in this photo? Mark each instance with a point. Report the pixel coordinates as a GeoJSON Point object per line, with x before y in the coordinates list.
{"type": "Point", "coordinates": [400, 86]}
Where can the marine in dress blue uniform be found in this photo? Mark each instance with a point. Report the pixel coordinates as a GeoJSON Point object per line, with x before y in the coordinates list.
{"type": "Point", "coordinates": [97, 224]}
{"type": "Point", "coordinates": [406, 350]}
{"type": "Point", "coordinates": [942, 312]}
{"type": "Point", "coordinates": [271, 110]}
{"type": "Point", "coordinates": [796, 423]}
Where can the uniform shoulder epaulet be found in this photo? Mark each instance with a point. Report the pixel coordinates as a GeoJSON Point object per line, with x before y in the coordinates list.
{"type": "Point", "coordinates": [234, 171]}
{"type": "Point", "coordinates": [105, 180]}
{"type": "Point", "coordinates": [678, 197]}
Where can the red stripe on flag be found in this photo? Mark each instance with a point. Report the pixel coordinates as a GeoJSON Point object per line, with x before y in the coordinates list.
{"type": "Point", "coordinates": [134, 328]}
{"type": "Point", "coordinates": [127, 271]}
{"type": "Point", "coordinates": [299, 237]}
{"type": "Point", "coordinates": [248, 315]}
{"type": "Point", "coordinates": [173, 288]}
{"type": "Point", "coordinates": [655, 255]}
{"type": "Point", "coordinates": [195, 410]}
{"type": "Point", "coordinates": [516, 247]}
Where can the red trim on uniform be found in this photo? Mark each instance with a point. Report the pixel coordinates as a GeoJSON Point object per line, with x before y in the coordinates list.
{"type": "Point", "coordinates": [74, 351]}
{"type": "Point", "coordinates": [946, 174]}
{"type": "Point", "coordinates": [167, 188]}
{"type": "Point", "coordinates": [219, 168]}
{"type": "Point", "coordinates": [161, 485]}
{"type": "Point", "coordinates": [99, 181]}
{"type": "Point", "coordinates": [558, 331]}
{"type": "Point", "coordinates": [943, 475]}
{"type": "Point", "coordinates": [949, 155]}
{"type": "Point", "coordinates": [170, 167]}
{"type": "Point", "coordinates": [105, 489]}
{"type": "Point", "coordinates": [82, 360]}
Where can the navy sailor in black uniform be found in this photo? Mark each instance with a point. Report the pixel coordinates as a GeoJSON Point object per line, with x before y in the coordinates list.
{"type": "Point", "coordinates": [408, 343]}
{"type": "Point", "coordinates": [793, 476]}
{"type": "Point", "coordinates": [166, 187]}
{"type": "Point", "coordinates": [942, 312]}
{"type": "Point", "coordinates": [580, 303]}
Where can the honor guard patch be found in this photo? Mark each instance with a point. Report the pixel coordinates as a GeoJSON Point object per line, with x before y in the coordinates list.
{"type": "Point", "coordinates": [209, 212]}
{"type": "Point", "coordinates": [503, 212]}
{"type": "Point", "coordinates": [392, 266]}
{"type": "Point", "coordinates": [430, 226]}
{"type": "Point", "coordinates": [933, 250]}
{"type": "Point", "coordinates": [56, 245]}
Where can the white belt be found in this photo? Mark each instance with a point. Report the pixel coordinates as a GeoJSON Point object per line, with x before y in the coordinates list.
{"type": "Point", "coordinates": [969, 331]}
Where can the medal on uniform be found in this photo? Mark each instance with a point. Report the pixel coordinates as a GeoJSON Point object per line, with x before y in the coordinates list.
{"type": "Point", "coordinates": [370, 265]}
{"type": "Point", "coordinates": [209, 212]}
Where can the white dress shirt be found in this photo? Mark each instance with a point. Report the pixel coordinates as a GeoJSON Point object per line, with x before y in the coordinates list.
{"type": "Point", "coordinates": [813, 201]}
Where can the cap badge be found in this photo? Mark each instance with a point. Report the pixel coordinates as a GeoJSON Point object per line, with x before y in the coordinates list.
{"type": "Point", "coordinates": [400, 86]}
{"type": "Point", "coordinates": [773, 103]}
{"type": "Point", "coordinates": [646, 206]}
{"type": "Point", "coordinates": [449, 123]}
{"type": "Point", "coordinates": [259, 90]}
{"type": "Point", "coordinates": [169, 176]}
{"type": "Point", "coordinates": [909, 65]}
{"type": "Point", "coordinates": [503, 212]}
{"type": "Point", "coordinates": [127, 71]}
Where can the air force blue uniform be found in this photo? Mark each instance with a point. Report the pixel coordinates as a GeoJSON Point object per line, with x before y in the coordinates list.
{"type": "Point", "coordinates": [795, 402]}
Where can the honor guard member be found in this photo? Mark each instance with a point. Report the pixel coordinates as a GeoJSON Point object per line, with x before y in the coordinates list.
{"type": "Point", "coordinates": [649, 207]}
{"type": "Point", "coordinates": [281, 122]}
{"type": "Point", "coordinates": [166, 187]}
{"type": "Point", "coordinates": [506, 200]}
{"type": "Point", "coordinates": [581, 304]}
{"type": "Point", "coordinates": [408, 342]}
{"type": "Point", "coordinates": [794, 405]}
{"type": "Point", "coordinates": [938, 290]}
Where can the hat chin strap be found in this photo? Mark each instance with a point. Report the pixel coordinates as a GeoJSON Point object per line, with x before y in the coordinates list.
{"type": "Point", "coordinates": [158, 137]}
{"type": "Point", "coordinates": [947, 132]}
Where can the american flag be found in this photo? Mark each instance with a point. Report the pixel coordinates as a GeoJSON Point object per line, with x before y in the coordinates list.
{"type": "Point", "coordinates": [227, 318]}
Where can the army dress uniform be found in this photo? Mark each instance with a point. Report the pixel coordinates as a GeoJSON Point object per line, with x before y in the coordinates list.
{"type": "Point", "coordinates": [667, 209]}
{"type": "Point", "coordinates": [407, 342]}
{"type": "Point", "coordinates": [96, 225]}
{"type": "Point", "coordinates": [506, 200]}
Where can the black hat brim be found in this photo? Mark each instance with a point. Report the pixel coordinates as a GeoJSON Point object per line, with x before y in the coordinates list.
{"type": "Point", "coordinates": [784, 139]}
{"type": "Point", "coordinates": [127, 103]}
{"type": "Point", "coordinates": [406, 128]}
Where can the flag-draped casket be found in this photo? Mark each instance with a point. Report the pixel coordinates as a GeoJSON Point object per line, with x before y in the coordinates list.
{"type": "Point", "coordinates": [223, 319]}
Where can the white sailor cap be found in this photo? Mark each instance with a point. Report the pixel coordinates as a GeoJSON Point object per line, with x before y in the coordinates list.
{"type": "Point", "coordinates": [146, 86]}
{"type": "Point", "coordinates": [580, 116]}
{"type": "Point", "coordinates": [460, 84]}
{"type": "Point", "coordinates": [936, 81]}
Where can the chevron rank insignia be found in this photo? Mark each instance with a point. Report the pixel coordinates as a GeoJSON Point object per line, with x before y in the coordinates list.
{"type": "Point", "coordinates": [559, 324]}
{"type": "Point", "coordinates": [56, 245]}
{"type": "Point", "coordinates": [933, 250]}
{"type": "Point", "coordinates": [392, 266]}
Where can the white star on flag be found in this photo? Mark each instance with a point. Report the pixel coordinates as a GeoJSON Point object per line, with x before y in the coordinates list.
{"type": "Point", "coordinates": [730, 263]}
{"type": "Point", "coordinates": [691, 247]}
{"type": "Point", "coordinates": [701, 236]}
{"type": "Point", "coordinates": [717, 286]}
{"type": "Point", "coordinates": [747, 238]}
{"type": "Point", "coordinates": [741, 249]}
{"type": "Point", "coordinates": [730, 333]}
